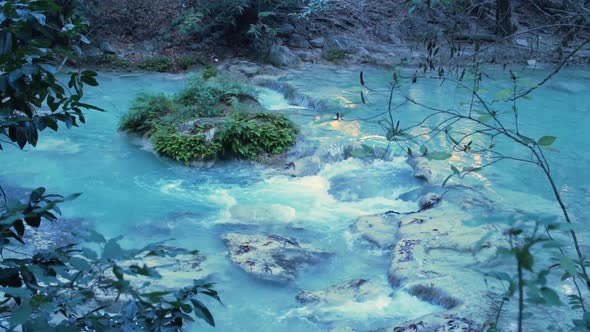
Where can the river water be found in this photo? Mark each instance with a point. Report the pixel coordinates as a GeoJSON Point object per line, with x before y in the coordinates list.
{"type": "Point", "coordinates": [127, 190]}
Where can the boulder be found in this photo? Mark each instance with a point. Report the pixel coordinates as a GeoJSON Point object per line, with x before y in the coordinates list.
{"type": "Point", "coordinates": [298, 41]}
{"type": "Point", "coordinates": [107, 47]}
{"type": "Point", "coordinates": [318, 42]}
{"type": "Point", "coordinates": [271, 257]}
{"type": "Point", "coordinates": [435, 260]}
{"type": "Point", "coordinates": [429, 200]}
{"type": "Point", "coordinates": [421, 167]}
{"type": "Point", "coordinates": [282, 56]}
{"type": "Point", "coordinates": [357, 290]}
{"type": "Point", "coordinates": [246, 68]}
{"type": "Point", "coordinates": [92, 52]}
{"type": "Point", "coordinates": [285, 29]}
{"type": "Point", "coordinates": [342, 43]}
{"type": "Point", "coordinates": [379, 229]}
{"type": "Point", "coordinates": [521, 42]}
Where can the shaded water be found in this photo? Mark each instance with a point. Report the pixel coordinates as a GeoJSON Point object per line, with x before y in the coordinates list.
{"type": "Point", "coordinates": [130, 191]}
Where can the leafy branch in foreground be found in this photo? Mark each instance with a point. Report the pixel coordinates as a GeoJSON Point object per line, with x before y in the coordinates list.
{"type": "Point", "coordinates": [482, 129]}
{"type": "Point", "coordinates": [96, 285]}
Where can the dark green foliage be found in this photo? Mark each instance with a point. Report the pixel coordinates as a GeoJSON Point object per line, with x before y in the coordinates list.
{"type": "Point", "coordinates": [250, 21]}
{"type": "Point", "coordinates": [111, 61]}
{"type": "Point", "coordinates": [249, 136]}
{"type": "Point", "coordinates": [245, 132]}
{"type": "Point", "coordinates": [73, 287]}
{"type": "Point", "coordinates": [209, 72]}
{"type": "Point", "coordinates": [159, 64]}
{"type": "Point", "coordinates": [334, 54]}
{"type": "Point", "coordinates": [27, 76]}
{"type": "Point", "coordinates": [144, 112]}
{"type": "Point", "coordinates": [184, 147]}
{"type": "Point", "coordinates": [185, 62]}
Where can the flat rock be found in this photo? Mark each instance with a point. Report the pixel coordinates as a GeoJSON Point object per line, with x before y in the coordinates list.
{"type": "Point", "coordinates": [357, 290]}
{"type": "Point", "coordinates": [436, 260]}
{"type": "Point", "coordinates": [271, 257]}
{"type": "Point", "coordinates": [379, 229]}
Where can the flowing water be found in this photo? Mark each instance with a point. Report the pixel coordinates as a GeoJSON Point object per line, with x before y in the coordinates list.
{"type": "Point", "coordinates": [128, 190]}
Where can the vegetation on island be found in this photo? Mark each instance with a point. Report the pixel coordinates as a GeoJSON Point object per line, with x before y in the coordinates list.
{"type": "Point", "coordinates": [214, 117]}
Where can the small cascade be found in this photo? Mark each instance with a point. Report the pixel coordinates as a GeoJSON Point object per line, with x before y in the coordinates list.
{"type": "Point", "coordinates": [290, 93]}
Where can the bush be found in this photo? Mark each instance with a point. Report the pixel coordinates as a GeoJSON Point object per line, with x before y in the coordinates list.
{"type": "Point", "coordinates": [159, 64]}
{"type": "Point", "coordinates": [183, 147]}
{"type": "Point", "coordinates": [144, 112]}
{"type": "Point", "coordinates": [246, 132]}
{"type": "Point", "coordinates": [334, 55]}
{"type": "Point", "coordinates": [209, 72]}
{"type": "Point", "coordinates": [249, 136]}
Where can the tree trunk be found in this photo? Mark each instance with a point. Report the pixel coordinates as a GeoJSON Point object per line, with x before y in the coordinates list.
{"type": "Point", "coordinates": [504, 24]}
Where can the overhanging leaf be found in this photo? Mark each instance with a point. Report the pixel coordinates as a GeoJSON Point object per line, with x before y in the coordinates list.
{"type": "Point", "coordinates": [546, 140]}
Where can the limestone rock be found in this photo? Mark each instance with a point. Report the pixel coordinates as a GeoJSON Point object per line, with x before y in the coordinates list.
{"type": "Point", "coordinates": [285, 29]}
{"type": "Point", "coordinates": [270, 257]}
{"type": "Point", "coordinates": [429, 200]}
{"type": "Point", "coordinates": [522, 42]}
{"type": "Point", "coordinates": [380, 229]}
{"type": "Point", "coordinates": [435, 261]}
{"type": "Point", "coordinates": [298, 41]}
{"type": "Point", "coordinates": [318, 42]}
{"type": "Point", "coordinates": [357, 290]}
{"type": "Point", "coordinates": [421, 168]}
{"type": "Point", "coordinates": [106, 47]}
{"type": "Point", "coordinates": [282, 56]}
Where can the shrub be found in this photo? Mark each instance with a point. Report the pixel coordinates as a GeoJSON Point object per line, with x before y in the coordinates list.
{"type": "Point", "coordinates": [185, 62]}
{"type": "Point", "coordinates": [184, 147]}
{"type": "Point", "coordinates": [112, 61]}
{"type": "Point", "coordinates": [334, 55]}
{"type": "Point", "coordinates": [144, 112]}
{"type": "Point", "coordinates": [245, 133]}
{"type": "Point", "coordinates": [248, 136]}
{"type": "Point", "coordinates": [159, 64]}
{"type": "Point", "coordinates": [209, 72]}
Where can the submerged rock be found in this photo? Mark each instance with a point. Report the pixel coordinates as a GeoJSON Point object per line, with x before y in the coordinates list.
{"type": "Point", "coordinates": [421, 168]}
{"type": "Point", "coordinates": [435, 261]}
{"type": "Point", "coordinates": [379, 229]}
{"type": "Point", "coordinates": [357, 290]}
{"type": "Point", "coordinates": [429, 200]}
{"type": "Point", "coordinates": [271, 257]}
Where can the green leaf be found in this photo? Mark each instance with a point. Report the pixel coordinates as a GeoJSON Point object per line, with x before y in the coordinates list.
{"type": "Point", "coordinates": [111, 250]}
{"type": "Point", "coordinates": [368, 150]}
{"type": "Point", "coordinates": [358, 154]}
{"type": "Point", "coordinates": [546, 140]}
{"type": "Point", "coordinates": [503, 94]}
{"type": "Point", "coordinates": [21, 314]}
{"type": "Point", "coordinates": [79, 264]}
{"type": "Point", "coordinates": [438, 155]}
{"type": "Point", "coordinates": [202, 312]}
{"type": "Point", "coordinates": [550, 296]}
{"type": "Point", "coordinates": [568, 265]}
{"type": "Point", "coordinates": [455, 169]}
